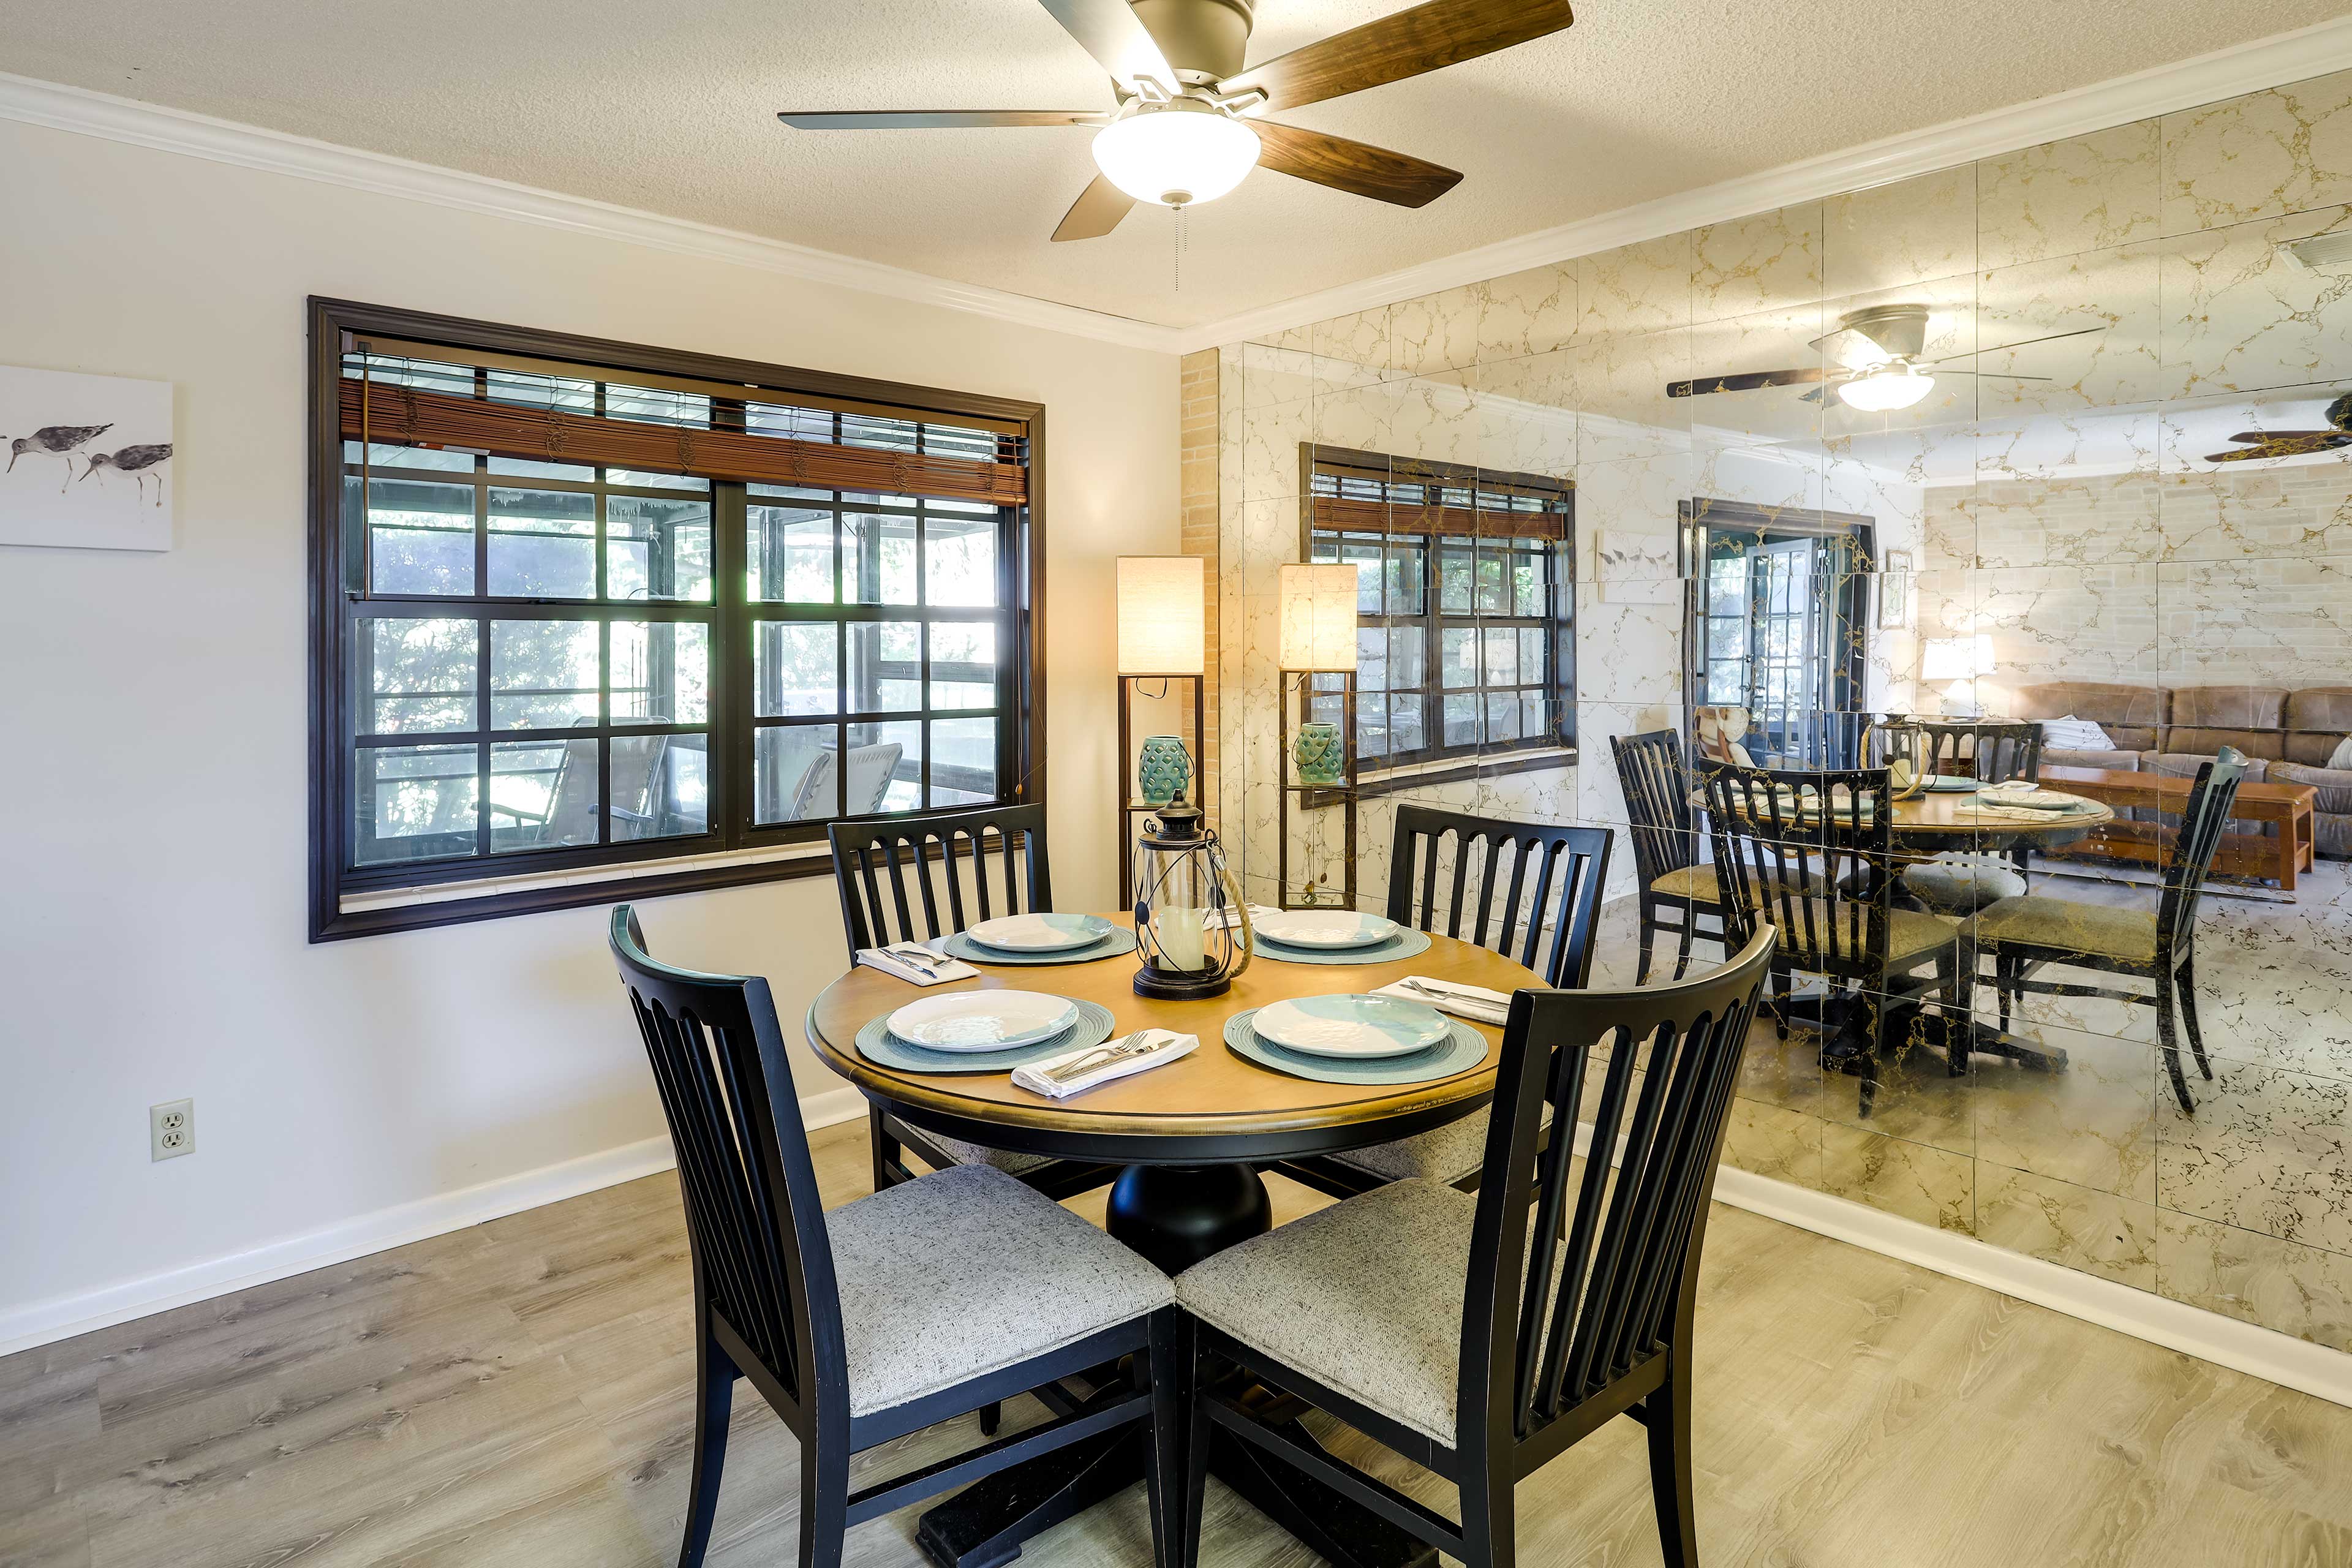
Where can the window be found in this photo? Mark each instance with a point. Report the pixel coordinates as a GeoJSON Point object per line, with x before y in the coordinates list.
{"type": "Point", "coordinates": [585, 608]}
{"type": "Point", "coordinates": [1465, 640]}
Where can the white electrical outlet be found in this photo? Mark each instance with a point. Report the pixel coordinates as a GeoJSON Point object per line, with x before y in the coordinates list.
{"type": "Point", "coordinates": [171, 1130]}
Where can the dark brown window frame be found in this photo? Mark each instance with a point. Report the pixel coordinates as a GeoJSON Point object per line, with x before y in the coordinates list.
{"type": "Point", "coordinates": [1442, 763]}
{"type": "Point", "coordinates": [335, 326]}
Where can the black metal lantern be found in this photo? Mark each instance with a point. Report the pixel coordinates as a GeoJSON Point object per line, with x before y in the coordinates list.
{"type": "Point", "coordinates": [1191, 926]}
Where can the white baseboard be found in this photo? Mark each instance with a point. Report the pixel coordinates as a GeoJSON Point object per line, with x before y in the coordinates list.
{"type": "Point", "coordinates": [63, 1317]}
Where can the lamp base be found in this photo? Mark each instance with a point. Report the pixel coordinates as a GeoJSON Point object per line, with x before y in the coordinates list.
{"type": "Point", "coordinates": [1169, 985]}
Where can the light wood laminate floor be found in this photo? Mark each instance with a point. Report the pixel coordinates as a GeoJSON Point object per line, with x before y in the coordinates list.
{"type": "Point", "coordinates": [518, 1395]}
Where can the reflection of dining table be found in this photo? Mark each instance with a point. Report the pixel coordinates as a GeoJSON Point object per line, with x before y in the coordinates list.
{"type": "Point", "coordinates": [1191, 1136]}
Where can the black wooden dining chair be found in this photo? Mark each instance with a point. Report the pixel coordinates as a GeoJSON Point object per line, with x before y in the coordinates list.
{"type": "Point", "coordinates": [920, 1304]}
{"type": "Point", "coordinates": [891, 871]}
{"type": "Point", "coordinates": [1673, 879]}
{"type": "Point", "coordinates": [1511, 881]}
{"type": "Point", "coordinates": [2028, 935]}
{"type": "Point", "coordinates": [1473, 1342]}
{"type": "Point", "coordinates": [1958, 882]}
{"type": "Point", "coordinates": [1811, 854]}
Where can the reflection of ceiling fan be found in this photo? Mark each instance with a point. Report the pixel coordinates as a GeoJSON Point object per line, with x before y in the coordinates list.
{"type": "Point", "coordinates": [2263, 444]}
{"type": "Point", "coordinates": [1184, 130]}
{"type": "Point", "coordinates": [1876, 367]}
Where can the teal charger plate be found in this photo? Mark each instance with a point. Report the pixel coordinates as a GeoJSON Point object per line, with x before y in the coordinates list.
{"type": "Point", "coordinates": [1463, 1049]}
{"type": "Point", "coordinates": [877, 1044]}
{"type": "Point", "coordinates": [1120, 940]}
{"type": "Point", "coordinates": [1406, 943]}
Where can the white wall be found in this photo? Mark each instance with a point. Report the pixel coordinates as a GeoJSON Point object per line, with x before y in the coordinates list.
{"type": "Point", "coordinates": [152, 726]}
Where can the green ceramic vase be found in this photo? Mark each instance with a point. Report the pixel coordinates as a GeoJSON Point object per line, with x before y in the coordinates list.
{"type": "Point", "coordinates": [1316, 751]}
{"type": "Point", "coordinates": [1164, 770]}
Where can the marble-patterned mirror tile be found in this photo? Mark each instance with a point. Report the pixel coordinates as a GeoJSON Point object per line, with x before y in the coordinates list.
{"type": "Point", "coordinates": [2294, 1288]}
{"type": "Point", "coordinates": [2098, 1232]}
{"type": "Point", "coordinates": [2259, 155]}
{"type": "Point", "coordinates": [2277, 621]}
{"type": "Point", "coordinates": [1898, 235]}
{"type": "Point", "coordinates": [1767, 261]}
{"type": "Point", "coordinates": [2092, 1126]}
{"type": "Point", "coordinates": [1634, 289]}
{"type": "Point", "coordinates": [2074, 331]}
{"type": "Point", "coordinates": [2241, 314]}
{"type": "Point", "coordinates": [1785, 1145]}
{"type": "Point", "coordinates": [1724, 348]}
{"type": "Point", "coordinates": [2296, 504]}
{"type": "Point", "coordinates": [1619, 384]}
{"type": "Point", "coordinates": [2085, 193]}
{"type": "Point", "coordinates": [1437, 332]}
{"type": "Point", "coordinates": [1528, 313]}
{"type": "Point", "coordinates": [1359, 340]}
{"type": "Point", "coordinates": [1933, 1186]}
{"type": "Point", "coordinates": [2265, 1149]}
{"type": "Point", "coordinates": [1855, 344]}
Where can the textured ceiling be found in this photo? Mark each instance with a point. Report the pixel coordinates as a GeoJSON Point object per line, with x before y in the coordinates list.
{"type": "Point", "coordinates": [671, 109]}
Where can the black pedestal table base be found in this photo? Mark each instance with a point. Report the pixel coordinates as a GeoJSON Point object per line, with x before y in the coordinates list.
{"type": "Point", "coordinates": [1175, 1216]}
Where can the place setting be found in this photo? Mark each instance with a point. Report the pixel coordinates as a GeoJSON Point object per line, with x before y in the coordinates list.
{"type": "Point", "coordinates": [1355, 1038]}
{"type": "Point", "coordinates": [988, 1031]}
{"type": "Point", "coordinates": [1332, 936]}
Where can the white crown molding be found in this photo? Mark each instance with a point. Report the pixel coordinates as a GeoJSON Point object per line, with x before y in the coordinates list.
{"type": "Point", "coordinates": [2185, 84]}
{"type": "Point", "coordinates": [61, 107]}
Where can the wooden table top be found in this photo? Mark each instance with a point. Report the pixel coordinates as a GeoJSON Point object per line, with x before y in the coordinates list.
{"type": "Point", "coordinates": [2142, 789]}
{"type": "Point", "coordinates": [1937, 814]}
{"type": "Point", "coordinates": [1210, 1094]}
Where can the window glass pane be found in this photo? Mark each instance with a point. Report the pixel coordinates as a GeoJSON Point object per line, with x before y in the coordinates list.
{"type": "Point", "coordinates": [1406, 731]}
{"type": "Point", "coordinates": [543, 793]}
{"type": "Point", "coordinates": [380, 455]}
{"type": "Point", "coordinates": [565, 392]}
{"type": "Point", "coordinates": [420, 537]}
{"type": "Point", "coordinates": [1532, 724]}
{"type": "Point", "coordinates": [657, 549]}
{"type": "Point", "coordinates": [1458, 665]}
{"type": "Point", "coordinates": [1461, 720]}
{"type": "Point", "coordinates": [542, 674]}
{"type": "Point", "coordinates": [884, 769]}
{"type": "Point", "coordinates": [1453, 580]}
{"type": "Point", "coordinates": [959, 561]}
{"type": "Point", "coordinates": [649, 481]}
{"type": "Point", "coordinates": [1502, 716]}
{"type": "Point", "coordinates": [963, 664]}
{"type": "Point", "coordinates": [1724, 681]}
{"type": "Point", "coordinates": [656, 405]}
{"type": "Point", "coordinates": [1408, 587]}
{"type": "Point", "coordinates": [885, 666]}
{"type": "Point", "coordinates": [877, 559]}
{"type": "Point", "coordinates": [542, 545]}
{"type": "Point", "coordinates": [1408, 647]}
{"type": "Point", "coordinates": [1725, 639]}
{"type": "Point", "coordinates": [1502, 657]}
{"type": "Point", "coordinates": [1373, 658]}
{"type": "Point", "coordinates": [526, 468]}
{"type": "Point", "coordinates": [1371, 725]}
{"type": "Point", "coordinates": [659, 787]}
{"type": "Point", "coordinates": [1494, 596]}
{"type": "Point", "coordinates": [1331, 709]}
{"type": "Point", "coordinates": [1527, 583]}
{"type": "Point", "coordinates": [796, 775]}
{"type": "Point", "coordinates": [796, 668]}
{"type": "Point", "coordinates": [661, 673]}
{"type": "Point", "coordinates": [963, 761]}
{"type": "Point", "coordinates": [1726, 586]}
{"type": "Point", "coordinates": [416, 801]}
{"type": "Point", "coordinates": [1534, 668]}
{"type": "Point", "coordinates": [417, 677]}
{"type": "Point", "coordinates": [791, 552]}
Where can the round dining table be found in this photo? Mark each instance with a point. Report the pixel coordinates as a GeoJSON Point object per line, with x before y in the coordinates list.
{"type": "Point", "coordinates": [1191, 1136]}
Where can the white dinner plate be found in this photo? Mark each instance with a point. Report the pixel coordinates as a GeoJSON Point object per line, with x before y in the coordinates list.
{"type": "Point", "coordinates": [982, 1020]}
{"type": "Point", "coordinates": [1039, 933]}
{"type": "Point", "coordinates": [1333, 929]}
{"type": "Point", "coordinates": [1350, 1025]}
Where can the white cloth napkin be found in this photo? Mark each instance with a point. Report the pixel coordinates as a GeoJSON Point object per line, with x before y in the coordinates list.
{"type": "Point", "coordinates": [1224, 917]}
{"type": "Point", "coordinates": [935, 971]}
{"type": "Point", "coordinates": [1164, 1046]}
{"type": "Point", "coordinates": [1475, 1003]}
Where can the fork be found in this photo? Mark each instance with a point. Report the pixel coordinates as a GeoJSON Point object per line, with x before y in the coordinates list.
{"type": "Point", "coordinates": [922, 958]}
{"type": "Point", "coordinates": [1101, 1055]}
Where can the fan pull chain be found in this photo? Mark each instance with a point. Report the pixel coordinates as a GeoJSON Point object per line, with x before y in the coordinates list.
{"type": "Point", "coordinates": [1180, 251]}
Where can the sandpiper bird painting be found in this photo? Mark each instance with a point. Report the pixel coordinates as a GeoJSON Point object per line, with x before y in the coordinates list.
{"type": "Point", "coordinates": [107, 426]}
{"type": "Point", "coordinates": [60, 438]}
{"type": "Point", "coordinates": [135, 462]}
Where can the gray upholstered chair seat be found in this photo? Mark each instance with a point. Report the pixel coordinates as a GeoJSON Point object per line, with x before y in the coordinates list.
{"type": "Point", "coordinates": [1961, 884]}
{"type": "Point", "coordinates": [1006, 1160]}
{"type": "Point", "coordinates": [1446, 1153]}
{"type": "Point", "coordinates": [962, 1272]}
{"type": "Point", "coordinates": [2069, 926]}
{"type": "Point", "coordinates": [1695, 883]}
{"type": "Point", "coordinates": [1364, 1297]}
{"type": "Point", "coordinates": [1912, 938]}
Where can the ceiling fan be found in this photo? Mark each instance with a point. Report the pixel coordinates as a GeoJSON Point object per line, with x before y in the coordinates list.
{"type": "Point", "coordinates": [1185, 127]}
{"type": "Point", "coordinates": [2263, 444]}
{"type": "Point", "coordinates": [1877, 369]}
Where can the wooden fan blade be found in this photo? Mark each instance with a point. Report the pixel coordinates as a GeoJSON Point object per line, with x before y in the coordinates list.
{"type": "Point", "coordinates": [1426, 38]}
{"type": "Point", "coordinates": [2287, 447]}
{"type": "Point", "coordinates": [2261, 437]}
{"type": "Point", "coordinates": [1096, 212]}
{"type": "Point", "coordinates": [1747, 381]}
{"type": "Point", "coordinates": [1109, 30]}
{"type": "Point", "coordinates": [939, 118]}
{"type": "Point", "coordinates": [1352, 166]}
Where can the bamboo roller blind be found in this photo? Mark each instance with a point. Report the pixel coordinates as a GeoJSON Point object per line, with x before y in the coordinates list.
{"type": "Point", "coordinates": [379, 411]}
{"type": "Point", "coordinates": [1401, 517]}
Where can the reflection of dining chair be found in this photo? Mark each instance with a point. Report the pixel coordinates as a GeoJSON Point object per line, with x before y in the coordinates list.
{"type": "Point", "coordinates": [869, 773]}
{"type": "Point", "coordinates": [1529, 875]}
{"type": "Point", "coordinates": [1665, 845]}
{"type": "Point", "coordinates": [1788, 847]}
{"type": "Point", "coordinates": [2026, 934]}
{"type": "Point", "coordinates": [1960, 881]}
{"type": "Point", "coordinates": [569, 813]}
{"type": "Point", "coordinates": [885, 873]}
{"type": "Point", "coordinates": [863, 1325]}
{"type": "Point", "coordinates": [1480, 1337]}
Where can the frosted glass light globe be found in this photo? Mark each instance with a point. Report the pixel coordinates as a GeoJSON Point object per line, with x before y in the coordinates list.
{"type": "Point", "coordinates": [1883, 392]}
{"type": "Point", "coordinates": [1176, 154]}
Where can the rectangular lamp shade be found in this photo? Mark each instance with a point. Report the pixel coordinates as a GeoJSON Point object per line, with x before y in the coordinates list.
{"type": "Point", "coordinates": [1160, 615]}
{"type": "Point", "coordinates": [1318, 608]}
{"type": "Point", "coordinates": [1956, 658]}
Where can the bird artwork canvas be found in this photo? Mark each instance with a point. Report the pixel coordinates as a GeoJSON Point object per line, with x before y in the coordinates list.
{"type": "Point", "coordinates": [85, 460]}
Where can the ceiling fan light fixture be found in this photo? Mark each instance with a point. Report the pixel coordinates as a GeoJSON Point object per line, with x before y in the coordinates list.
{"type": "Point", "coordinates": [1884, 391]}
{"type": "Point", "coordinates": [1176, 154]}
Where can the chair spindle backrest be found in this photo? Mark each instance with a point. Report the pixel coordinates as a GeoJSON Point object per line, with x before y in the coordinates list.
{"type": "Point", "coordinates": [1987, 752]}
{"type": "Point", "coordinates": [2201, 825]}
{"type": "Point", "coordinates": [754, 1223]}
{"type": "Point", "coordinates": [877, 866]}
{"type": "Point", "coordinates": [1809, 852]}
{"type": "Point", "coordinates": [1614, 1251]}
{"type": "Point", "coordinates": [1658, 802]}
{"type": "Point", "coordinates": [1524, 870]}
